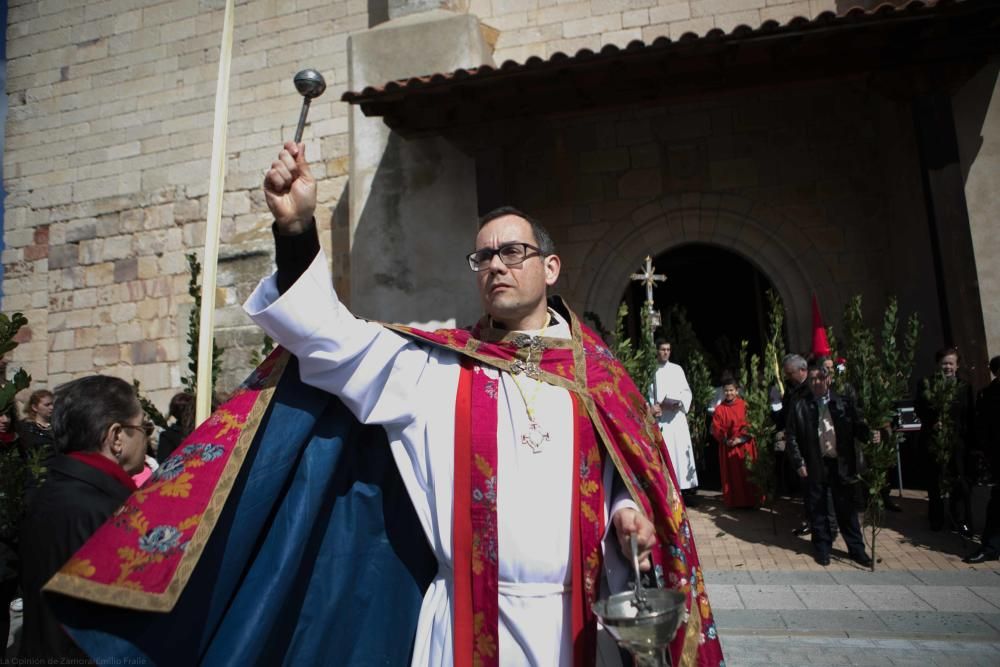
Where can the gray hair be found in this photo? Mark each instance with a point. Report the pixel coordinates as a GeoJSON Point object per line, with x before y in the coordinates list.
{"type": "Point", "coordinates": [796, 361]}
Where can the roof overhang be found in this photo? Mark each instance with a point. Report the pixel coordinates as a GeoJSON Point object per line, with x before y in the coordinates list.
{"type": "Point", "coordinates": [918, 37]}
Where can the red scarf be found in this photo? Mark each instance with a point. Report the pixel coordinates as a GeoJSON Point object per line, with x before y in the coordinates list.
{"type": "Point", "coordinates": [105, 465]}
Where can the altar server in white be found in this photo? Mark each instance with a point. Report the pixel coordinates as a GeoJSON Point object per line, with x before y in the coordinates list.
{"type": "Point", "coordinates": [672, 401]}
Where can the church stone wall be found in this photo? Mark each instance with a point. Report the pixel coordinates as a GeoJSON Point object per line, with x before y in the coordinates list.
{"type": "Point", "coordinates": [543, 27]}
{"type": "Point", "coordinates": [107, 168]}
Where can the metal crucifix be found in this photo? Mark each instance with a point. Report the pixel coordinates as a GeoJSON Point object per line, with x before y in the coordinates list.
{"type": "Point", "coordinates": [649, 278]}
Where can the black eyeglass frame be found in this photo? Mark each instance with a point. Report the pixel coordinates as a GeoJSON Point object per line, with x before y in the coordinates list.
{"type": "Point", "coordinates": [148, 429]}
{"type": "Point", "coordinates": [483, 265]}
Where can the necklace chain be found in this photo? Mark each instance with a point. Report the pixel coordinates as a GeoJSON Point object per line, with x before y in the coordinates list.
{"type": "Point", "coordinates": [535, 436]}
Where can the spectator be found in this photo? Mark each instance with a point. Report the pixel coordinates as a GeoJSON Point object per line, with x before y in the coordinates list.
{"type": "Point", "coordinates": [961, 413]}
{"type": "Point", "coordinates": [729, 428]}
{"type": "Point", "coordinates": [182, 413]}
{"type": "Point", "coordinates": [988, 437]}
{"type": "Point", "coordinates": [36, 430]}
{"type": "Point", "coordinates": [821, 430]}
{"type": "Point", "coordinates": [8, 523]}
{"type": "Point", "coordinates": [101, 439]}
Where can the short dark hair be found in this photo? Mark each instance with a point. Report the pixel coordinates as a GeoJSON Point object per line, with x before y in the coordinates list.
{"type": "Point", "coordinates": [728, 379]}
{"type": "Point", "coordinates": [662, 341]}
{"type": "Point", "coordinates": [995, 366]}
{"type": "Point", "coordinates": [944, 352]}
{"type": "Point", "coordinates": [819, 368]}
{"type": "Point", "coordinates": [87, 407]}
{"type": "Point", "coordinates": [545, 244]}
{"type": "Point", "coordinates": [182, 409]}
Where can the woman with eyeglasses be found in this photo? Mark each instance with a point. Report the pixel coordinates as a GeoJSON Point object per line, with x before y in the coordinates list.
{"type": "Point", "coordinates": [100, 438]}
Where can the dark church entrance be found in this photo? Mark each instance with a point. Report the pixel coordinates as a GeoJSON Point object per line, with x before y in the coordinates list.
{"type": "Point", "coordinates": [713, 298]}
{"type": "Point", "coordinates": [712, 293]}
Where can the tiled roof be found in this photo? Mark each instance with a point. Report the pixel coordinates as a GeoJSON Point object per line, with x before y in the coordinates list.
{"type": "Point", "coordinates": [768, 29]}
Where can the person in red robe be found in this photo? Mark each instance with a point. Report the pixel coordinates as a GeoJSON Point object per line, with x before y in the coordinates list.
{"type": "Point", "coordinates": [729, 428]}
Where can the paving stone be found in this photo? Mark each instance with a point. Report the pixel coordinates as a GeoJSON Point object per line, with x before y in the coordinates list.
{"type": "Point", "coordinates": [728, 577]}
{"type": "Point", "coordinates": [989, 593]}
{"type": "Point", "coordinates": [854, 621]}
{"type": "Point", "coordinates": [894, 598]}
{"type": "Point", "coordinates": [789, 578]}
{"type": "Point", "coordinates": [724, 596]}
{"type": "Point", "coordinates": [769, 597]}
{"type": "Point", "coordinates": [953, 598]}
{"type": "Point", "coordinates": [959, 577]}
{"type": "Point", "coordinates": [748, 619]}
{"type": "Point", "coordinates": [992, 619]}
{"type": "Point", "coordinates": [882, 578]}
{"type": "Point", "coordinates": [828, 597]}
{"type": "Point", "coordinates": [935, 623]}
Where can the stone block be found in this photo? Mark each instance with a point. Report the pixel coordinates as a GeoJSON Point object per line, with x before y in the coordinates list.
{"type": "Point", "coordinates": [61, 340]}
{"type": "Point", "coordinates": [128, 332]}
{"type": "Point", "coordinates": [186, 210]}
{"type": "Point", "coordinates": [123, 312]}
{"type": "Point", "coordinates": [126, 270]}
{"type": "Point", "coordinates": [158, 217]}
{"type": "Point", "coordinates": [698, 26]}
{"type": "Point", "coordinates": [85, 338]}
{"type": "Point", "coordinates": [99, 274]}
{"type": "Point", "coordinates": [153, 376]}
{"type": "Point", "coordinates": [638, 183]}
{"type": "Point", "coordinates": [594, 25]}
{"type": "Point", "coordinates": [65, 256]}
{"type": "Point", "coordinates": [708, 8]}
{"type": "Point", "coordinates": [607, 160]}
{"type": "Point", "coordinates": [92, 251]}
{"type": "Point", "coordinates": [669, 13]}
{"type": "Point", "coordinates": [143, 352]}
{"type": "Point", "coordinates": [80, 230]}
{"type": "Point", "coordinates": [106, 355]}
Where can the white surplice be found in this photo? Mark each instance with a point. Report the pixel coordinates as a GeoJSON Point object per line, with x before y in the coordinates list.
{"type": "Point", "coordinates": [672, 383]}
{"type": "Point", "coordinates": [409, 388]}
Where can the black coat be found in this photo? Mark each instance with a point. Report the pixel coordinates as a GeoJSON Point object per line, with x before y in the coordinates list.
{"type": "Point", "coordinates": [802, 436]}
{"type": "Point", "coordinates": [170, 438]}
{"type": "Point", "coordinates": [66, 510]}
{"type": "Point", "coordinates": [988, 425]}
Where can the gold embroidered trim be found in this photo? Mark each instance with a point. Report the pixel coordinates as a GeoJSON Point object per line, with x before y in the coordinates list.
{"type": "Point", "coordinates": [163, 602]}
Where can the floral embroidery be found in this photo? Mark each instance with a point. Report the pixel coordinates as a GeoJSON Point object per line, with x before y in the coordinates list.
{"type": "Point", "coordinates": [79, 567]}
{"type": "Point", "coordinates": [173, 466]}
{"type": "Point", "coordinates": [207, 453]}
{"type": "Point", "coordinates": [161, 539]}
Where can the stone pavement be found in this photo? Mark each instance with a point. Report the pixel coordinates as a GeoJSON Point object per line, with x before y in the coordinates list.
{"type": "Point", "coordinates": [775, 606]}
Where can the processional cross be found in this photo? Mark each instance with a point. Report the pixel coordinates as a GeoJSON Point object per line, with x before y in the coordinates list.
{"type": "Point", "coordinates": [649, 278]}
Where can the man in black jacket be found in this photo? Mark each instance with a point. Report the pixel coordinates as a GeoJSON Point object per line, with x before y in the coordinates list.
{"type": "Point", "coordinates": [988, 436]}
{"type": "Point", "coordinates": [820, 431]}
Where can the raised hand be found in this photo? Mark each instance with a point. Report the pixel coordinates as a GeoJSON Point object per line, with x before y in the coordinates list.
{"type": "Point", "coordinates": [290, 189]}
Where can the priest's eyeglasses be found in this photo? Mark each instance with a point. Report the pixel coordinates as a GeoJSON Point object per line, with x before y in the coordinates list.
{"type": "Point", "coordinates": [510, 254]}
{"type": "Point", "coordinates": [146, 427]}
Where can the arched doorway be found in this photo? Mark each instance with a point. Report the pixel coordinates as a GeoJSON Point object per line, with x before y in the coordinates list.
{"type": "Point", "coordinates": [720, 293]}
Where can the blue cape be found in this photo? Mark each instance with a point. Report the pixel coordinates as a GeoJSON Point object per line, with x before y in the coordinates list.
{"type": "Point", "coordinates": [317, 558]}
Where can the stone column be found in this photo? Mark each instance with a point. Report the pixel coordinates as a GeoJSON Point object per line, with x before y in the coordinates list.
{"type": "Point", "coordinates": [412, 201]}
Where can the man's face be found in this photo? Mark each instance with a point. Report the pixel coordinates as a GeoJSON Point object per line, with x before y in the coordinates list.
{"type": "Point", "coordinates": [949, 365]}
{"type": "Point", "coordinates": [828, 365]}
{"type": "Point", "coordinates": [663, 353]}
{"type": "Point", "coordinates": [819, 385]}
{"type": "Point", "coordinates": [794, 375]}
{"type": "Point", "coordinates": [511, 293]}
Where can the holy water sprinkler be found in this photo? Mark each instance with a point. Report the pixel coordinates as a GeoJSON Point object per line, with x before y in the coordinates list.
{"type": "Point", "coordinates": [310, 84]}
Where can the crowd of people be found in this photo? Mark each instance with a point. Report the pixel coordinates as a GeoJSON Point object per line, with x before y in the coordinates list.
{"type": "Point", "coordinates": [819, 429]}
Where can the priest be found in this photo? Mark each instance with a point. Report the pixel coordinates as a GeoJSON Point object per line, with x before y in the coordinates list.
{"type": "Point", "coordinates": [524, 449]}
{"type": "Point", "coordinates": [523, 465]}
{"type": "Point", "coordinates": [671, 402]}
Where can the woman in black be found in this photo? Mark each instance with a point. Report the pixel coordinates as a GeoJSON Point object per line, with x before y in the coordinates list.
{"type": "Point", "coordinates": [9, 516]}
{"type": "Point", "coordinates": [36, 430]}
{"type": "Point", "coordinates": [101, 438]}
